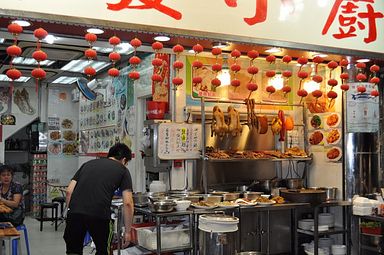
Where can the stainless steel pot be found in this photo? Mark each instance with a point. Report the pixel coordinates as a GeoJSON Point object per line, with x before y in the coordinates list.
{"type": "Point", "coordinates": [140, 199]}
{"type": "Point", "coordinates": [230, 196]}
{"type": "Point", "coordinates": [250, 253]}
{"type": "Point", "coordinates": [294, 183]}
{"type": "Point", "coordinates": [251, 195]}
{"type": "Point", "coordinates": [265, 186]}
{"type": "Point", "coordinates": [330, 191]}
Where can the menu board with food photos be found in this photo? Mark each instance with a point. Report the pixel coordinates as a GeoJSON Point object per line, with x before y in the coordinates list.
{"type": "Point", "coordinates": [179, 141]}
{"type": "Point", "coordinates": [62, 136]}
{"type": "Point", "coordinates": [325, 133]}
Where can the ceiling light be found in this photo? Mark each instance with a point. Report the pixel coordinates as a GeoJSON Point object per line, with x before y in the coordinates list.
{"type": "Point", "coordinates": [316, 54]}
{"type": "Point", "coordinates": [65, 80]}
{"type": "Point", "coordinates": [277, 81]}
{"type": "Point", "coordinates": [2, 40]}
{"type": "Point", "coordinates": [162, 38]}
{"type": "Point", "coordinates": [4, 77]}
{"type": "Point", "coordinates": [50, 39]}
{"type": "Point", "coordinates": [22, 23]}
{"type": "Point", "coordinates": [79, 65]}
{"type": "Point", "coordinates": [363, 60]}
{"type": "Point", "coordinates": [31, 61]}
{"type": "Point", "coordinates": [220, 45]}
{"type": "Point", "coordinates": [96, 31]}
{"type": "Point", "coordinates": [122, 48]}
{"type": "Point", "coordinates": [274, 50]}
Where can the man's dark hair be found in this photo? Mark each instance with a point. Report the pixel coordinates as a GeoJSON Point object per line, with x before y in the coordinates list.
{"type": "Point", "coordinates": [120, 151]}
{"type": "Point", "coordinates": [6, 168]}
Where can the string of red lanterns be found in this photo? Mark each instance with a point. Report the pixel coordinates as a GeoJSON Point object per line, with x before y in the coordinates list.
{"type": "Point", "coordinates": [134, 60]}
{"type": "Point", "coordinates": [14, 51]}
{"type": "Point", "coordinates": [39, 55]}
{"type": "Point", "coordinates": [197, 64]}
{"type": "Point", "coordinates": [177, 65]}
{"type": "Point", "coordinates": [114, 56]}
{"type": "Point", "coordinates": [90, 54]}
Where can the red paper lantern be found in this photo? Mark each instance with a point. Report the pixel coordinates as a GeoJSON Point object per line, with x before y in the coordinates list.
{"type": "Point", "coordinates": [39, 55]}
{"type": "Point", "coordinates": [114, 56]}
{"type": "Point", "coordinates": [235, 83]}
{"type": "Point", "coordinates": [374, 93]}
{"type": "Point", "coordinates": [178, 64]}
{"type": "Point", "coordinates": [343, 62]}
{"type": "Point", "coordinates": [114, 72]}
{"type": "Point", "coordinates": [375, 80]}
{"type": "Point", "coordinates": [344, 76]}
{"type": "Point", "coordinates": [287, 59]}
{"type": "Point", "coordinates": [216, 51]}
{"type": "Point", "coordinates": [89, 71]}
{"type": "Point", "coordinates": [216, 67]}
{"type": "Point", "coordinates": [15, 29]}
{"type": "Point", "coordinates": [235, 67]}
{"type": "Point", "coordinates": [114, 40]}
{"type": "Point", "coordinates": [302, 75]}
{"type": "Point", "coordinates": [134, 75]}
{"type": "Point", "coordinates": [197, 64]}
{"type": "Point", "coordinates": [157, 78]}
{"type": "Point", "coordinates": [286, 89]}
{"type": "Point", "coordinates": [216, 82]}
{"type": "Point", "coordinates": [332, 94]}
{"type": "Point", "coordinates": [14, 51]}
{"type": "Point", "coordinates": [90, 38]}
{"type": "Point", "coordinates": [332, 82]}
{"type": "Point", "coordinates": [197, 48]}
{"type": "Point", "coordinates": [374, 68]}
{"type": "Point", "coordinates": [287, 73]}
{"type": "Point", "coordinates": [252, 70]}
{"type": "Point", "coordinates": [40, 33]}
{"type": "Point", "coordinates": [344, 87]}
{"type": "Point", "coordinates": [13, 74]}
{"type": "Point", "coordinates": [333, 64]}
{"type": "Point", "coordinates": [90, 53]}
{"type": "Point", "coordinates": [361, 77]}
{"type": "Point", "coordinates": [318, 60]}
{"type": "Point", "coordinates": [136, 43]}
{"type": "Point", "coordinates": [157, 62]}
{"type": "Point", "coordinates": [270, 73]}
{"type": "Point", "coordinates": [271, 89]}
{"type": "Point", "coordinates": [235, 53]}
{"type": "Point", "coordinates": [252, 54]}
{"type": "Point", "coordinates": [38, 73]}
{"type": "Point", "coordinates": [317, 93]}
{"type": "Point", "coordinates": [361, 89]}
{"type": "Point", "coordinates": [302, 93]}
{"type": "Point", "coordinates": [178, 48]}
{"type": "Point", "coordinates": [157, 46]}
{"type": "Point", "coordinates": [317, 78]}
{"type": "Point", "coordinates": [177, 81]}
{"type": "Point", "coordinates": [197, 80]}
{"type": "Point", "coordinates": [361, 65]}
{"type": "Point", "coordinates": [134, 60]}
{"type": "Point", "coordinates": [252, 86]}
{"type": "Point", "coordinates": [302, 61]}
{"type": "Point", "coordinates": [271, 59]}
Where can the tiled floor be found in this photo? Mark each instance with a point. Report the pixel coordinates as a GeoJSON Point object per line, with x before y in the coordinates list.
{"type": "Point", "coordinates": [46, 242]}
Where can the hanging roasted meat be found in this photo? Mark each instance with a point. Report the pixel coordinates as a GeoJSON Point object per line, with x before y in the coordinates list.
{"type": "Point", "coordinates": [234, 126]}
{"type": "Point", "coordinates": [218, 127]}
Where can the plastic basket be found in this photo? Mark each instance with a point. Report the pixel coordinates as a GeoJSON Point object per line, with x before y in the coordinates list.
{"type": "Point", "coordinates": [172, 237]}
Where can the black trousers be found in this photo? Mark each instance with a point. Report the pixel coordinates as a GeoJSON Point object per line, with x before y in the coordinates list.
{"type": "Point", "coordinates": [101, 231]}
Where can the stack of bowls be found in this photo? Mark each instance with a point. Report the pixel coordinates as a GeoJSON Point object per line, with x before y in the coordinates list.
{"type": "Point", "coordinates": [306, 224]}
{"type": "Point", "coordinates": [325, 243]}
{"type": "Point", "coordinates": [327, 219]}
{"type": "Point", "coordinates": [339, 249]}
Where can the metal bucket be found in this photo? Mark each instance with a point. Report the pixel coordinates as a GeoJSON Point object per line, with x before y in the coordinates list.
{"type": "Point", "coordinates": [217, 234]}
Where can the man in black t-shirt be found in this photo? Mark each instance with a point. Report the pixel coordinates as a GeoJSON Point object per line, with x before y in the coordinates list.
{"type": "Point", "coordinates": [89, 196]}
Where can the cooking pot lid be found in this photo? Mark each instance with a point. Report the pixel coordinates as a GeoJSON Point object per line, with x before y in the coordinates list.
{"type": "Point", "coordinates": [219, 218]}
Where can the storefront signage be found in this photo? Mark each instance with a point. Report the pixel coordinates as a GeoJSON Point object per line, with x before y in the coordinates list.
{"type": "Point", "coordinates": [348, 24]}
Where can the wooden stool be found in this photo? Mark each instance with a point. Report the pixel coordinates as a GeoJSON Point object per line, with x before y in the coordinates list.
{"type": "Point", "coordinates": [54, 207]}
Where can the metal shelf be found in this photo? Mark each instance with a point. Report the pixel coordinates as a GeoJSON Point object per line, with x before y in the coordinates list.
{"type": "Point", "coordinates": [332, 231]}
{"type": "Point", "coordinates": [371, 248]}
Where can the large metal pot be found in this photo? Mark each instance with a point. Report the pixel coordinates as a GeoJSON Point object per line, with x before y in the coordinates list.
{"type": "Point", "coordinates": [331, 192]}
{"type": "Point", "coordinates": [140, 199]}
{"type": "Point", "coordinates": [294, 183]}
{"type": "Point", "coordinates": [231, 196]}
{"type": "Point", "coordinates": [162, 206]}
{"type": "Point", "coordinates": [313, 197]}
{"type": "Point", "coordinates": [252, 195]}
{"type": "Point", "coordinates": [265, 186]}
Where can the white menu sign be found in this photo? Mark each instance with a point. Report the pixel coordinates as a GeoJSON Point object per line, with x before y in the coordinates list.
{"type": "Point", "coordinates": [179, 141]}
{"type": "Point", "coordinates": [362, 109]}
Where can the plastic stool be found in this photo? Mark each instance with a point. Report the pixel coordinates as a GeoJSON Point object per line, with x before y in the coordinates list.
{"type": "Point", "coordinates": [15, 243]}
{"type": "Point", "coordinates": [61, 201]}
{"type": "Point", "coordinates": [54, 218]}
